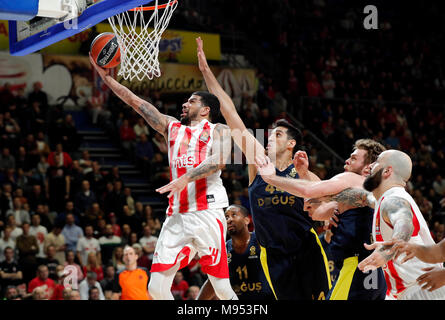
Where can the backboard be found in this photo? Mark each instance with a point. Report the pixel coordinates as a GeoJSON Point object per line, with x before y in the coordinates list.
{"type": "Point", "coordinates": [38, 32]}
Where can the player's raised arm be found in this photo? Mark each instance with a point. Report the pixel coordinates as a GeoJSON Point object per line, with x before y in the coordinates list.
{"type": "Point", "coordinates": [242, 137]}
{"type": "Point", "coordinates": [220, 155]}
{"type": "Point", "coordinates": [150, 113]}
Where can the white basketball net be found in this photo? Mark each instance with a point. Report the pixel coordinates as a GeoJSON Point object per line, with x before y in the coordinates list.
{"type": "Point", "coordinates": [138, 45]}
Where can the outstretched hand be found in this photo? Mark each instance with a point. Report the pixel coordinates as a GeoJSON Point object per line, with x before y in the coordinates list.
{"type": "Point", "coordinates": [374, 260]}
{"type": "Point", "coordinates": [202, 60]}
{"type": "Point", "coordinates": [174, 186]}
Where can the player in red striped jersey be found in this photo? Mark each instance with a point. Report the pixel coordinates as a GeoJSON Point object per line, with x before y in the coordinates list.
{"type": "Point", "coordinates": [195, 223]}
{"type": "Point", "coordinates": [396, 217]}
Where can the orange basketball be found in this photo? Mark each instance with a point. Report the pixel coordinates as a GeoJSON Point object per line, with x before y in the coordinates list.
{"type": "Point", "coordinates": [105, 50]}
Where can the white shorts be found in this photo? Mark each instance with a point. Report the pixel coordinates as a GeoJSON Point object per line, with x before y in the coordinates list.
{"type": "Point", "coordinates": [185, 234]}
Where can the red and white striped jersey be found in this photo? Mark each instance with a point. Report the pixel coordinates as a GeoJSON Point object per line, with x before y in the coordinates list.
{"type": "Point", "coordinates": [400, 276]}
{"type": "Point", "coordinates": [187, 148]}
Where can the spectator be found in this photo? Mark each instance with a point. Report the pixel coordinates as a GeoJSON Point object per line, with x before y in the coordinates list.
{"type": "Point", "coordinates": [51, 262]}
{"type": "Point", "coordinates": [56, 238]}
{"type": "Point", "coordinates": [7, 161]}
{"type": "Point", "coordinates": [127, 135]}
{"type": "Point", "coordinates": [86, 245]}
{"type": "Point", "coordinates": [90, 282]}
{"type": "Point", "coordinates": [93, 265]}
{"type": "Point", "coordinates": [142, 260]}
{"type": "Point", "coordinates": [179, 286]}
{"type": "Point", "coordinates": [38, 95]}
{"type": "Point", "coordinates": [6, 200]}
{"type": "Point", "coordinates": [48, 285]}
{"type": "Point", "coordinates": [71, 232]}
{"type": "Point", "coordinates": [12, 293]}
{"type": "Point", "coordinates": [192, 293]}
{"type": "Point", "coordinates": [151, 220]}
{"type": "Point", "coordinates": [15, 231]}
{"type": "Point", "coordinates": [131, 219]}
{"type": "Point", "coordinates": [107, 282]}
{"type": "Point", "coordinates": [75, 295]}
{"type": "Point", "coordinates": [63, 160]}
{"type": "Point", "coordinates": [10, 271]}
{"type": "Point", "coordinates": [148, 242]}
{"type": "Point", "coordinates": [19, 214]}
{"type": "Point", "coordinates": [129, 200]}
{"type": "Point", "coordinates": [27, 247]}
{"type": "Point", "coordinates": [108, 243]}
{"type": "Point", "coordinates": [57, 184]}
{"type": "Point", "coordinates": [70, 257]}
{"type": "Point", "coordinates": [6, 242]}
{"type": "Point", "coordinates": [126, 232]}
{"type": "Point", "coordinates": [94, 294]}
{"type": "Point", "coordinates": [118, 259]}
{"type": "Point", "coordinates": [144, 154]}
{"type": "Point", "coordinates": [37, 196]}
{"type": "Point", "coordinates": [140, 128]}
{"type": "Point", "coordinates": [85, 198]}
{"type": "Point", "coordinates": [42, 211]}
{"type": "Point", "coordinates": [69, 209]}
{"type": "Point", "coordinates": [40, 232]}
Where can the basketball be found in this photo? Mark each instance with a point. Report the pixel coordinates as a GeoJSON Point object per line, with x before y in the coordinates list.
{"type": "Point", "coordinates": [105, 50]}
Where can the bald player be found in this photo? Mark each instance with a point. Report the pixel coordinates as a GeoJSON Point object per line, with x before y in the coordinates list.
{"type": "Point", "coordinates": [396, 217]}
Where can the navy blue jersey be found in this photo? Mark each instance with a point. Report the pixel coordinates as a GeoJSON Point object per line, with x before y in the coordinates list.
{"type": "Point", "coordinates": [246, 274]}
{"type": "Point", "coordinates": [354, 229]}
{"type": "Point", "coordinates": [278, 216]}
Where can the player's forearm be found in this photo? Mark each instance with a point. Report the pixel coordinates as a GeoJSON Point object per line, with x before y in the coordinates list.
{"type": "Point", "coordinates": [308, 175]}
{"type": "Point", "coordinates": [403, 230]}
{"type": "Point", "coordinates": [293, 186]}
{"type": "Point", "coordinates": [206, 168]}
{"type": "Point", "coordinates": [430, 254]}
{"type": "Point", "coordinates": [123, 92]}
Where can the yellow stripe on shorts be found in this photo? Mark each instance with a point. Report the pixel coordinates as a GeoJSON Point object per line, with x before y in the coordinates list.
{"type": "Point", "coordinates": [343, 285]}
{"type": "Point", "coordinates": [263, 259]}
{"type": "Point", "coordinates": [325, 259]}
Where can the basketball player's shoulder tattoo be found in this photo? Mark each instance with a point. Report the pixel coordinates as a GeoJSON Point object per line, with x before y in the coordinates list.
{"type": "Point", "coordinates": [154, 118]}
{"type": "Point", "coordinates": [354, 197]}
{"type": "Point", "coordinates": [397, 212]}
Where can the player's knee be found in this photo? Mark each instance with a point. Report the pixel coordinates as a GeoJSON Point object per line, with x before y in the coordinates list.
{"type": "Point", "coordinates": [223, 289]}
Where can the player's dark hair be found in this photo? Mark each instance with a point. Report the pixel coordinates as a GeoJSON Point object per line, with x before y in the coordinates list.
{"type": "Point", "coordinates": [293, 133]}
{"type": "Point", "coordinates": [241, 208]}
{"type": "Point", "coordinates": [211, 101]}
{"type": "Point", "coordinates": [373, 148]}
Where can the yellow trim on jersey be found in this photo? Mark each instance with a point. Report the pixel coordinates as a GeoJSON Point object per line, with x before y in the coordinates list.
{"type": "Point", "coordinates": [263, 259]}
{"type": "Point", "coordinates": [325, 259]}
{"type": "Point", "coordinates": [343, 285]}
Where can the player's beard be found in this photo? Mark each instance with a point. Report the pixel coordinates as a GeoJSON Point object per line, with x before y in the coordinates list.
{"type": "Point", "coordinates": [373, 181]}
{"type": "Point", "coordinates": [189, 118]}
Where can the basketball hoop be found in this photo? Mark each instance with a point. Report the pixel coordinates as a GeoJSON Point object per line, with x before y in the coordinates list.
{"type": "Point", "coordinates": [140, 48]}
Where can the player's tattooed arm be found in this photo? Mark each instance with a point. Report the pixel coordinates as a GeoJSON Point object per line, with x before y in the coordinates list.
{"type": "Point", "coordinates": [154, 118]}
{"type": "Point", "coordinates": [397, 212]}
{"type": "Point", "coordinates": [353, 197]}
{"type": "Point", "coordinates": [149, 112]}
{"type": "Point", "coordinates": [221, 154]}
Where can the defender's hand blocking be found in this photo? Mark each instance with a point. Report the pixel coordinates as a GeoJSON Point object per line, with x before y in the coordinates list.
{"type": "Point", "coordinates": [202, 60]}
{"type": "Point", "coordinates": [301, 162]}
{"type": "Point", "coordinates": [174, 186]}
{"type": "Point", "coordinates": [265, 167]}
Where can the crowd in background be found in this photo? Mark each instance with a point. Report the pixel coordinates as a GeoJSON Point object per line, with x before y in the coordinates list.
{"type": "Point", "coordinates": [59, 208]}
